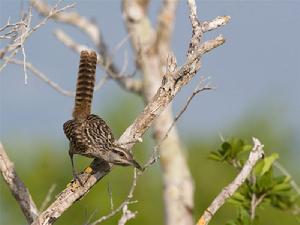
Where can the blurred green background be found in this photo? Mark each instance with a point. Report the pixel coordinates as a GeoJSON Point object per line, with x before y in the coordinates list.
{"type": "Point", "coordinates": [51, 165]}
{"type": "Point", "coordinates": [257, 77]}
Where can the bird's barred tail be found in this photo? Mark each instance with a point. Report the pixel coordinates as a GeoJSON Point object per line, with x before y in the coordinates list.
{"type": "Point", "coordinates": [85, 84]}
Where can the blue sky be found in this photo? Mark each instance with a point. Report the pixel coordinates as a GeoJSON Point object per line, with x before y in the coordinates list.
{"type": "Point", "coordinates": [257, 70]}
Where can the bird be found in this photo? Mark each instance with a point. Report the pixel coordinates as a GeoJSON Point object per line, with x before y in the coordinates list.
{"type": "Point", "coordinates": [88, 134]}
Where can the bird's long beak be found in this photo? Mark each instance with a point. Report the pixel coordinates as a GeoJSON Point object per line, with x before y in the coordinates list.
{"type": "Point", "coordinates": [136, 165]}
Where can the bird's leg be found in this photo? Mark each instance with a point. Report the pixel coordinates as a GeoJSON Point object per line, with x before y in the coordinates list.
{"type": "Point", "coordinates": [73, 169]}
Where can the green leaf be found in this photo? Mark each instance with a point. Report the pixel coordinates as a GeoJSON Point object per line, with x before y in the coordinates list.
{"type": "Point", "coordinates": [281, 187]}
{"type": "Point", "coordinates": [247, 148]}
{"type": "Point", "coordinates": [237, 199]}
{"type": "Point", "coordinates": [226, 146]}
{"type": "Point", "coordinates": [231, 222]}
{"type": "Point", "coordinates": [258, 168]}
{"type": "Point", "coordinates": [265, 165]}
{"type": "Point", "coordinates": [215, 156]}
{"type": "Point", "coordinates": [244, 216]}
{"type": "Point", "coordinates": [264, 183]}
{"type": "Point", "coordinates": [282, 179]}
{"type": "Point", "coordinates": [268, 162]}
{"type": "Point", "coordinates": [237, 145]}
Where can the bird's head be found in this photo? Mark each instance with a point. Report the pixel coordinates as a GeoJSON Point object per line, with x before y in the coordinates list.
{"type": "Point", "coordinates": [122, 157]}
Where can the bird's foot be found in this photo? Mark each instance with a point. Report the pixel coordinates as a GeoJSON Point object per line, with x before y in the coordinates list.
{"type": "Point", "coordinates": [88, 170]}
{"type": "Point", "coordinates": [76, 178]}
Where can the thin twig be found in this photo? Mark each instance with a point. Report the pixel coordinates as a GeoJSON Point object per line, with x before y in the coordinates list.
{"type": "Point", "coordinates": [110, 196]}
{"type": "Point", "coordinates": [11, 25]}
{"type": "Point", "coordinates": [125, 81]}
{"type": "Point", "coordinates": [252, 206]}
{"type": "Point", "coordinates": [101, 82]}
{"type": "Point", "coordinates": [124, 203]}
{"type": "Point", "coordinates": [126, 215]}
{"type": "Point", "coordinates": [72, 18]}
{"type": "Point", "coordinates": [121, 43]}
{"type": "Point", "coordinates": [215, 23]}
{"type": "Point", "coordinates": [199, 88]}
{"type": "Point", "coordinates": [43, 77]}
{"type": "Point", "coordinates": [286, 173]}
{"type": "Point", "coordinates": [23, 32]}
{"type": "Point", "coordinates": [93, 31]}
{"type": "Point", "coordinates": [48, 197]}
{"type": "Point", "coordinates": [52, 13]}
{"type": "Point", "coordinates": [90, 217]}
{"type": "Point", "coordinates": [254, 203]}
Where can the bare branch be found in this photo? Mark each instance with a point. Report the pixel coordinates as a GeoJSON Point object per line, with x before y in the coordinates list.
{"type": "Point", "coordinates": [73, 192]}
{"type": "Point", "coordinates": [20, 33]}
{"type": "Point", "coordinates": [286, 173]}
{"type": "Point", "coordinates": [52, 13]}
{"type": "Point", "coordinates": [256, 153]}
{"type": "Point", "coordinates": [171, 85]}
{"type": "Point", "coordinates": [110, 196]}
{"type": "Point", "coordinates": [91, 217]}
{"type": "Point", "coordinates": [215, 23]}
{"type": "Point", "coordinates": [199, 88]}
{"type": "Point", "coordinates": [71, 18]}
{"type": "Point", "coordinates": [93, 31]}
{"type": "Point", "coordinates": [123, 204]}
{"type": "Point", "coordinates": [127, 215]}
{"type": "Point", "coordinates": [178, 185]}
{"type": "Point", "coordinates": [70, 43]}
{"type": "Point", "coordinates": [254, 203]}
{"type": "Point", "coordinates": [13, 26]}
{"type": "Point", "coordinates": [23, 32]}
{"type": "Point", "coordinates": [126, 82]}
{"type": "Point", "coordinates": [193, 14]}
{"type": "Point", "coordinates": [17, 187]}
{"type": "Point", "coordinates": [43, 77]}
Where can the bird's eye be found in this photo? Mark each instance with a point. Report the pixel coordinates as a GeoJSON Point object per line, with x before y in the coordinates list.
{"type": "Point", "coordinates": [121, 154]}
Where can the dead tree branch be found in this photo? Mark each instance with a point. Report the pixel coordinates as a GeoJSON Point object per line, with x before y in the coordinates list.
{"type": "Point", "coordinates": [71, 18]}
{"type": "Point", "coordinates": [94, 33]}
{"type": "Point", "coordinates": [126, 82]}
{"type": "Point", "coordinates": [42, 76]}
{"type": "Point", "coordinates": [199, 88]}
{"type": "Point", "coordinates": [23, 32]}
{"type": "Point", "coordinates": [152, 50]}
{"type": "Point", "coordinates": [125, 203]}
{"type": "Point", "coordinates": [17, 187]}
{"type": "Point", "coordinates": [127, 215]}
